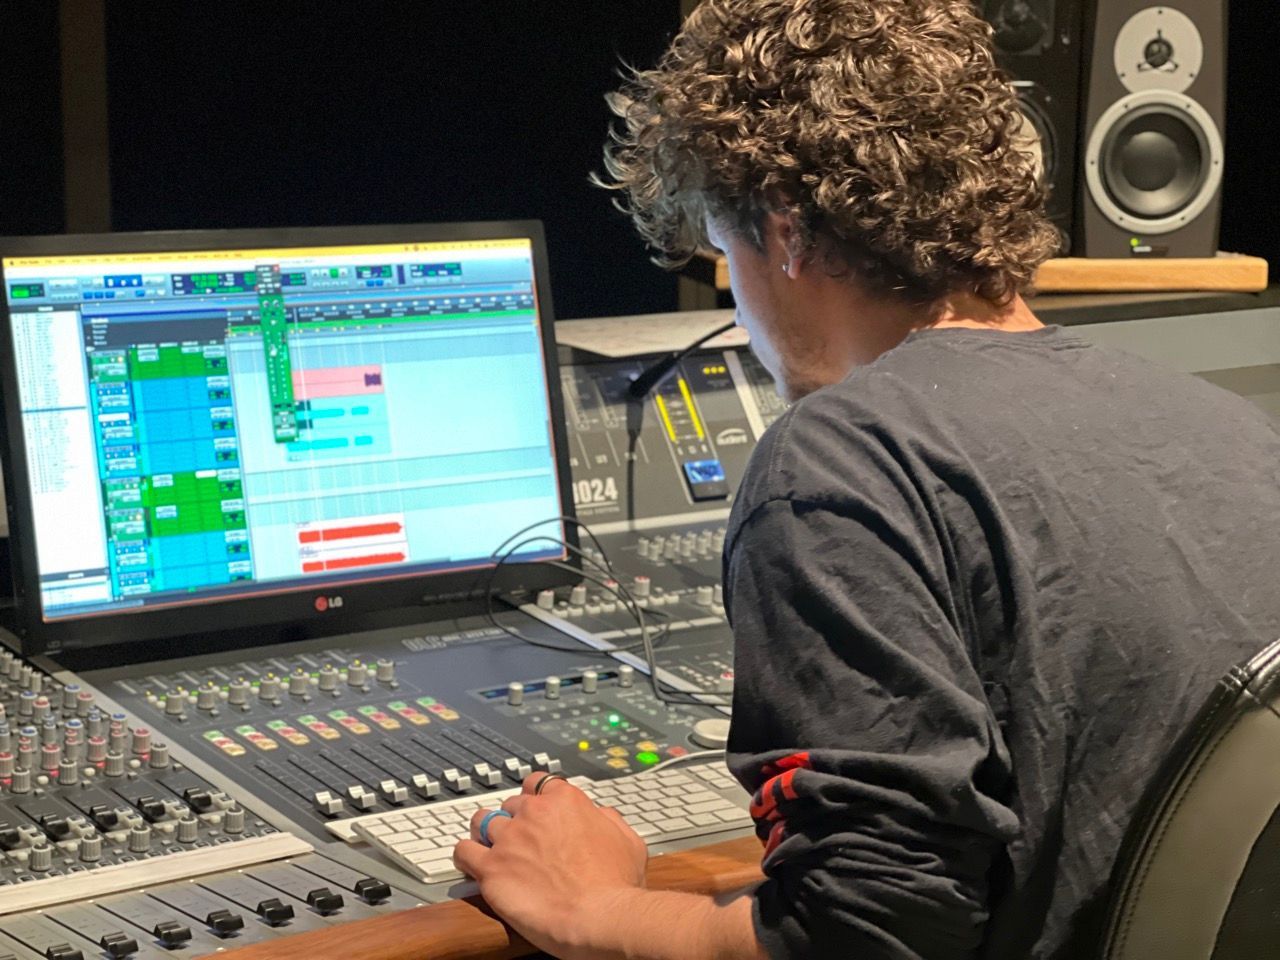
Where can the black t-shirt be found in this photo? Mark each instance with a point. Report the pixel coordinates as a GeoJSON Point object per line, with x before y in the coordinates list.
{"type": "Point", "coordinates": [977, 589]}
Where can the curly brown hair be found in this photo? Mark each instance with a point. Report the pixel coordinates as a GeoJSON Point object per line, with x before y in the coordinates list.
{"type": "Point", "coordinates": [883, 125]}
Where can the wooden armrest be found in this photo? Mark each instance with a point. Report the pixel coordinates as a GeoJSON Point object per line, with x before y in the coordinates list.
{"type": "Point", "coordinates": [464, 930]}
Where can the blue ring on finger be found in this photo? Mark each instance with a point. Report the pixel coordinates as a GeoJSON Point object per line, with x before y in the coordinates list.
{"type": "Point", "coordinates": [484, 825]}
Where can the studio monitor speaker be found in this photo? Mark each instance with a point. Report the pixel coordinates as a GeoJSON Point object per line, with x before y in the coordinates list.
{"type": "Point", "coordinates": [1038, 43]}
{"type": "Point", "coordinates": [1152, 158]}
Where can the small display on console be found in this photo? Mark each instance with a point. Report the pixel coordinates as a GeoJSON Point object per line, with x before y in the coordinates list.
{"type": "Point", "coordinates": [706, 479]}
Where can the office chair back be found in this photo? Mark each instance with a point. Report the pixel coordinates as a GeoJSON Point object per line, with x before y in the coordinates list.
{"type": "Point", "coordinates": [1198, 875]}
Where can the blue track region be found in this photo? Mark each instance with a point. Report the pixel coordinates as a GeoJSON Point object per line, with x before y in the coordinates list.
{"type": "Point", "coordinates": [176, 430]}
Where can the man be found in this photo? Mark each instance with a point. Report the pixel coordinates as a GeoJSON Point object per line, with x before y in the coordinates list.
{"type": "Point", "coordinates": [980, 575]}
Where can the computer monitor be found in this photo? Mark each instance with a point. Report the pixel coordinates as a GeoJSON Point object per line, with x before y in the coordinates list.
{"type": "Point", "coordinates": [220, 430]}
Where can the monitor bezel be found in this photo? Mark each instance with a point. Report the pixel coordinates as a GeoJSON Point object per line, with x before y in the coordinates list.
{"type": "Point", "coordinates": [264, 619]}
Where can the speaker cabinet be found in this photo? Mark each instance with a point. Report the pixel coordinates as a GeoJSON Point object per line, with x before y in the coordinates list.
{"type": "Point", "coordinates": [1152, 139]}
{"type": "Point", "coordinates": [1038, 43]}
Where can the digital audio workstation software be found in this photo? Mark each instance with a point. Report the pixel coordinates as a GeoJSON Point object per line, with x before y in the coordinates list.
{"type": "Point", "coordinates": [225, 423]}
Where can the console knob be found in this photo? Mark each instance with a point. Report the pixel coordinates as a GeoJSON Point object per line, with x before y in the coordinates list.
{"type": "Point", "coordinates": [386, 672]}
{"type": "Point", "coordinates": [21, 782]}
{"type": "Point", "coordinates": [114, 764]}
{"type": "Point", "coordinates": [372, 891]}
{"type": "Point", "coordinates": [546, 599]}
{"type": "Point", "coordinates": [6, 766]}
{"type": "Point", "coordinates": [393, 792]}
{"type": "Point", "coordinates": [578, 595]}
{"type": "Point", "coordinates": [84, 703]}
{"type": "Point", "coordinates": [515, 693]}
{"type": "Point", "coordinates": [642, 548]}
{"type": "Point", "coordinates": [458, 781]}
{"type": "Point", "coordinates": [640, 587]}
{"type": "Point", "coordinates": [328, 678]}
{"type": "Point", "coordinates": [140, 839]}
{"type": "Point", "coordinates": [552, 687]}
{"type": "Point", "coordinates": [233, 820]}
{"type": "Point", "coordinates": [275, 912]}
{"type": "Point", "coordinates": [159, 755]}
{"type": "Point", "coordinates": [91, 848]}
{"type": "Point", "coordinates": [224, 922]}
{"type": "Point", "coordinates": [269, 688]}
{"type": "Point", "coordinates": [207, 698]}
{"type": "Point", "coordinates": [50, 758]}
{"type": "Point", "coordinates": [517, 768]}
{"type": "Point", "coordinates": [712, 733]}
{"type": "Point", "coordinates": [26, 704]}
{"type": "Point", "coordinates": [327, 804]}
{"type": "Point", "coordinates": [671, 549]}
{"type": "Point", "coordinates": [69, 693]}
{"type": "Point", "coordinates": [238, 692]}
{"type": "Point", "coordinates": [626, 675]}
{"type": "Point", "coordinates": [171, 933]}
{"type": "Point", "coordinates": [357, 673]}
{"type": "Point", "coordinates": [188, 829]}
{"type": "Point", "coordinates": [41, 858]}
{"type": "Point", "coordinates": [141, 741]}
{"type": "Point", "coordinates": [590, 681]}
{"type": "Point", "coordinates": [299, 683]}
{"type": "Point", "coordinates": [323, 900]}
{"type": "Point", "coordinates": [705, 596]}
{"type": "Point", "coordinates": [361, 798]}
{"type": "Point", "coordinates": [175, 705]}
{"type": "Point", "coordinates": [118, 944]}
{"type": "Point", "coordinates": [68, 773]}
{"type": "Point", "coordinates": [425, 785]}
{"type": "Point", "coordinates": [546, 762]}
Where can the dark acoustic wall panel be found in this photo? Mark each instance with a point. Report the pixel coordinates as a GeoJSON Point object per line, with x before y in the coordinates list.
{"type": "Point", "coordinates": [31, 195]}
{"type": "Point", "coordinates": [1250, 190]}
{"type": "Point", "coordinates": [255, 114]}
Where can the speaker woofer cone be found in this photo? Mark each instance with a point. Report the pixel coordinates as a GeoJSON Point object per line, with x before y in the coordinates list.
{"type": "Point", "coordinates": [1154, 162]}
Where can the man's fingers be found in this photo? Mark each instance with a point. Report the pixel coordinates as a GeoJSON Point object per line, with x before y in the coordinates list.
{"type": "Point", "coordinates": [529, 786]}
{"type": "Point", "coordinates": [497, 824]}
{"type": "Point", "coordinates": [513, 804]}
{"type": "Point", "coordinates": [470, 857]}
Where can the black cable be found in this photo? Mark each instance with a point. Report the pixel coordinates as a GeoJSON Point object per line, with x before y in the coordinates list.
{"type": "Point", "coordinates": [613, 586]}
{"type": "Point", "coordinates": [653, 375]}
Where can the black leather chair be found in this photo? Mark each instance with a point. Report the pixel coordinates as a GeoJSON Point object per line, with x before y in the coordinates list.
{"type": "Point", "coordinates": [1198, 875]}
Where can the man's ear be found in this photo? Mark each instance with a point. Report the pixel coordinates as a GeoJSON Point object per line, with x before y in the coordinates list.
{"type": "Point", "coordinates": [783, 241]}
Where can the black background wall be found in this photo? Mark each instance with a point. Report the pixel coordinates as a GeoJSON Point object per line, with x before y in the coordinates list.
{"type": "Point", "coordinates": [31, 198]}
{"type": "Point", "coordinates": [272, 113]}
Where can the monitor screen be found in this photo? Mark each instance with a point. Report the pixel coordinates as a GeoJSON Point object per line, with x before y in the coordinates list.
{"type": "Point", "coordinates": [216, 424]}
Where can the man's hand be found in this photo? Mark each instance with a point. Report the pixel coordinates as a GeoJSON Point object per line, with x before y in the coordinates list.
{"type": "Point", "coordinates": [557, 867]}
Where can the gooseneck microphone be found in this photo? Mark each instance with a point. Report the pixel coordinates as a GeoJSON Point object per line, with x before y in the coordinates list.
{"type": "Point", "coordinates": [651, 376]}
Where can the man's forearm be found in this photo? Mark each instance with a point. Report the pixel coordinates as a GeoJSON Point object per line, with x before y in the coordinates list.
{"type": "Point", "coordinates": [658, 925]}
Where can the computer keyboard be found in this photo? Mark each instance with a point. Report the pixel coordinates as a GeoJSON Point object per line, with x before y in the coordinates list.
{"type": "Point", "coordinates": [673, 803]}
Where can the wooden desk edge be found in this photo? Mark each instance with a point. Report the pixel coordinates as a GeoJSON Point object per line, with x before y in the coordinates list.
{"type": "Point", "coordinates": [462, 930]}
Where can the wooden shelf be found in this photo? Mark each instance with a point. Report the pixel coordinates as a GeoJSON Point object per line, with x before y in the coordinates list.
{"type": "Point", "coordinates": [465, 930]}
{"type": "Point", "coordinates": [1227, 272]}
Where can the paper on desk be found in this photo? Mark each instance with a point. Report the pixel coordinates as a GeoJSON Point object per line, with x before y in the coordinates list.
{"type": "Point", "coordinates": [648, 333]}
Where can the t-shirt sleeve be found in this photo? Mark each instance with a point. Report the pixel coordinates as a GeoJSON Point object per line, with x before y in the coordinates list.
{"type": "Point", "coordinates": [881, 782]}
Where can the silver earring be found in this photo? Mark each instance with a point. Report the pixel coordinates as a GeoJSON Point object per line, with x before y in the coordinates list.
{"type": "Point", "coordinates": [786, 267]}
